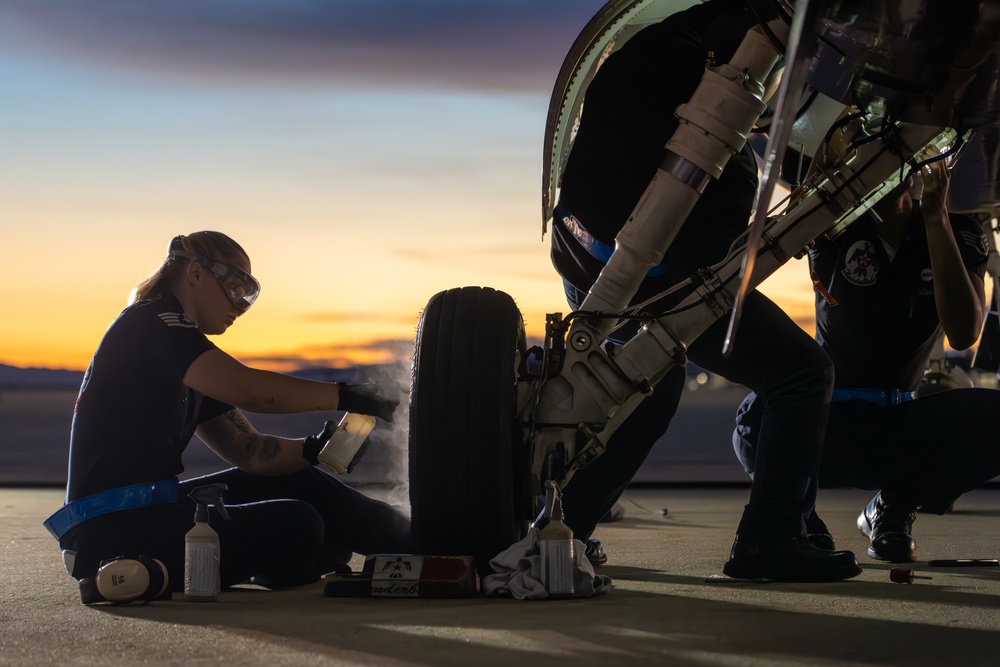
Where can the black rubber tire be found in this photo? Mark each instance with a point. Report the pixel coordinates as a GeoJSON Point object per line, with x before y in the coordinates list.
{"type": "Point", "coordinates": [468, 462]}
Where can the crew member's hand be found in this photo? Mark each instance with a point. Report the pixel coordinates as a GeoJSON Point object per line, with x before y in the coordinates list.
{"type": "Point", "coordinates": [377, 400]}
{"type": "Point", "coordinates": [934, 199]}
{"type": "Point", "coordinates": [314, 444]}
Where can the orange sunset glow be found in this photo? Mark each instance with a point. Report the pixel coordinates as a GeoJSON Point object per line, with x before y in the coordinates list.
{"type": "Point", "coordinates": [359, 187]}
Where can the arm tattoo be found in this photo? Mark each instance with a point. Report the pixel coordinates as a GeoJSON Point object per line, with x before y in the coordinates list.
{"type": "Point", "coordinates": [237, 441]}
{"type": "Point", "coordinates": [269, 448]}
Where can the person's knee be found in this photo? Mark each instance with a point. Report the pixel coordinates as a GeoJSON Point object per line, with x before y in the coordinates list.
{"type": "Point", "coordinates": [809, 373]}
{"type": "Point", "coordinates": [815, 368]}
{"type": "Point", "coordinates": [394, 529]}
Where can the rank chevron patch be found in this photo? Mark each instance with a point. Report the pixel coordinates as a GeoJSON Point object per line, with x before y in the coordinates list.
{"type": "Point", "coordinates": [177, 320]}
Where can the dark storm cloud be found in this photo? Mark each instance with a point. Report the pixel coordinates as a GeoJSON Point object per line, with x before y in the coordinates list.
{"type": "Point", "coordinates": [509, 45]}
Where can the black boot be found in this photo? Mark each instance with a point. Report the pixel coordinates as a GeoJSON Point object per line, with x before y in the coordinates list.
{"type": "Point", "coordinates": [595, 552]}
{"type": "Point", "coordinates": [888, 526]}
{"type": "Point", "coordinates": [818, 534]}
{"type": "Point", "coordinates": [788, 559]}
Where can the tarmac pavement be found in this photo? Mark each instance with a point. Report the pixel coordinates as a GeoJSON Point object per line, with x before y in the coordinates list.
{"type": "Point", "coordinates": [661, 610]}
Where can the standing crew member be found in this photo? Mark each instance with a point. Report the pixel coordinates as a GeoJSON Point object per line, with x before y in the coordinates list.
{"type": "Point", "coordinates": [628, 116]}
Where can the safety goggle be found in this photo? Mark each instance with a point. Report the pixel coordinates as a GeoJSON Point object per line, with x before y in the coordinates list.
{"type": "Point", "coordinates": [240, 287]}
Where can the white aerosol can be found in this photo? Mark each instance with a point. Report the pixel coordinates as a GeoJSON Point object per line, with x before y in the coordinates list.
{"type": "Point", "coordinates": [202, 557]}
{"type": "Point", "coordinates": [555, 545]}
{"type": "Point", "coordinates": [351, 433]}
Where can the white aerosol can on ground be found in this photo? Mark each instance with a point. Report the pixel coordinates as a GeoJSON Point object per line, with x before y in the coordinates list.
{"type": "Point", "coordinates": [202, 556]}
{"type": "Point", "coordinates": [555, 545]}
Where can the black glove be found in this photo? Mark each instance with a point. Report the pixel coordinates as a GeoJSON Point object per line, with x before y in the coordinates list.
{"type": "Point", "coordinates": [376, 400]}
{"type": "Point", "coordinates": [314, 444]}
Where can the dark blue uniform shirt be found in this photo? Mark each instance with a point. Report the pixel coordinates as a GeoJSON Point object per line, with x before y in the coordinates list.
{"type": "Point", "coordinates": [134, 416]}
{"type": "Point", "coordinates": [883, 332]}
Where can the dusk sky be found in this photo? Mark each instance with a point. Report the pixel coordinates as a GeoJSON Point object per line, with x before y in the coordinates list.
{"type": "Point", "coordinates": [366, 153]}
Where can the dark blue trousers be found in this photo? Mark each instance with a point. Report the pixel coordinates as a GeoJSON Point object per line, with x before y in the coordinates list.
{"type": "Point", "coordinates": [922, 453]}
{"type": "Point", "coordinates": [282, 531]}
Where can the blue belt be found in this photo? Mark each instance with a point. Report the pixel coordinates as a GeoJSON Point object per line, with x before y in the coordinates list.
{"type": "Point", "coordinates": [597, 249]}
{"type": "Point", "coordinates": [883, 397]}
{"type": "Point", "coordinates": [113, 500]}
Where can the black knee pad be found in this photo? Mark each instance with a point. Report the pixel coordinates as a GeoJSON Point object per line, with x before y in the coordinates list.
{"type": "Point", "coordinates": [122, 580]}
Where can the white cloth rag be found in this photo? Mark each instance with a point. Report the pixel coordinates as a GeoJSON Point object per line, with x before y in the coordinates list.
{"type": "Point", "coordinates": [517, 572]}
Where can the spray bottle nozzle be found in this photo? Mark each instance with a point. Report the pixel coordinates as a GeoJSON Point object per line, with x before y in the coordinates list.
{"type": "Point", "coordinates": [553, 500]}
{"type": "Point", "coordinates": [210, 494]}
{"type": "Point", "coordinates": [553, 510]}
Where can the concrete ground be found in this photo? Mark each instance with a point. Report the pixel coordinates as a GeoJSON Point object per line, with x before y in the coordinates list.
{"type": "Point", "coordinates": [660, 611]}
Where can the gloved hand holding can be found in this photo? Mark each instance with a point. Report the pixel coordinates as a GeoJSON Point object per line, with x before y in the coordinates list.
{"type": "Point", "coordinates": [340, 445]}
{"type": "Point", "coordinates": [315, 443]}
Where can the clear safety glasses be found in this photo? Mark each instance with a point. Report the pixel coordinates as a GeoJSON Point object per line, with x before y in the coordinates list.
{"type": "Point", "coordinates": [241, 288]}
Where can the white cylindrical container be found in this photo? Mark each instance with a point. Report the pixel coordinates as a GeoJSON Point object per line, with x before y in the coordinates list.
{"type": "Point", "coordinates": [555, 546]}
{"type": "Point", "coordinates": [351, 433]}
{"type": "Point", "coordinates": [557, 562]}
{"type": "Point", "coordinates": [201, 561]}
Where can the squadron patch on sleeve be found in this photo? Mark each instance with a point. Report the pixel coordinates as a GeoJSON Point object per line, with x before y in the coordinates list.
{"type": "Point", "coordinates": [861, 264]}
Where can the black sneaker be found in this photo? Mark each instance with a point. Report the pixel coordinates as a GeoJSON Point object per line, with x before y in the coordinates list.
{"type": "Point", "coordinates": [595, 552]}
{"type": "Point", "coordinates": [793, 559]}
{"type": "Point", "coordinates": [888, 527]}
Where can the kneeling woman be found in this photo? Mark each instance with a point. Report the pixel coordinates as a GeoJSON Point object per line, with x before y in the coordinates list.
{"type": "Point", "coordinates": [156, 380]}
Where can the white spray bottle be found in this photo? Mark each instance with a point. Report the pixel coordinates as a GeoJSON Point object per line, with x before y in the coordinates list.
{"type": "Point", "coordinates": [202, 580]}
{"type": "Point", "coordinates": [555, 545]}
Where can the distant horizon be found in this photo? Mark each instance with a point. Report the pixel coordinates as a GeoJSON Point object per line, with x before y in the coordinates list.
{"type": "Point", "coordinates": [17, 378]}
{"type": "Point", "coordinates": [36, 377]}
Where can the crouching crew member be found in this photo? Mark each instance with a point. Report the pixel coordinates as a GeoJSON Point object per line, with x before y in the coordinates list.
{"type": "Point", "coordinates": [885, 289]}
